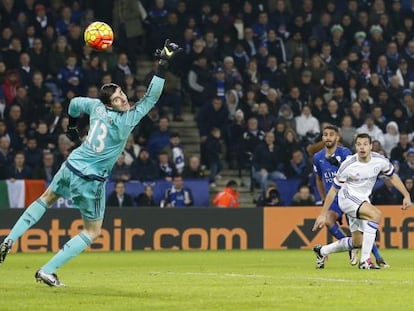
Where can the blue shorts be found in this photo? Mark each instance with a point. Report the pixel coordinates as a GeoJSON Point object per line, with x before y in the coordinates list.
{"type": "Point", "coordinates": [335, 207]}
{"type": "Point", "coordinates": [87, 195]}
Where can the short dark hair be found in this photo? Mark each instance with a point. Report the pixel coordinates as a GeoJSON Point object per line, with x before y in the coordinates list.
{"type": "Point", "coordinates": [106, 91]}
{"type": "Point", "coordinates": [363, 135]}
{"type": "Point", "coordinates": [331, 127]}
{"type": "Point", "coordinates": [231, 183]}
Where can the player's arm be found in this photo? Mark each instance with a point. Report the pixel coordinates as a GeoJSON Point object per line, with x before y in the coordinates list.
{"type": "Point", "coordinates": [77, 106]}
{"type": "Point", "coordinates": [320, 221]}
{"type": "Point", "coordinates": [397, 183]}
{"type": "Point", "coordinates": [320, 187]}
{"type": "Point", "coordinates": [156, 85]}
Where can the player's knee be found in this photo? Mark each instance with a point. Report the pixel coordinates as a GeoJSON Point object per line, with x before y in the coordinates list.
{"type": "Point", "coordinates": [94, 233]}
{"type": "Point", "coordinates": [376, 215]}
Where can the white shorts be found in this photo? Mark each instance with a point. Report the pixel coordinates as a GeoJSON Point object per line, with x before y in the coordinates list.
{"type": "Point", "coordinates": [350, 204]}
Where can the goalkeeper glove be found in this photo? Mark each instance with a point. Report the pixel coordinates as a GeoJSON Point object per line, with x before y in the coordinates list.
{"type": "Point", "coordinates": [72, 132]}
{"type": "Point", "coordinates": [167, 52]}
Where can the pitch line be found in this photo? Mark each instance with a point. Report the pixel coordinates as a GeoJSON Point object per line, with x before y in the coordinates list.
{"type": "Point", "coordinates": [216, 274]}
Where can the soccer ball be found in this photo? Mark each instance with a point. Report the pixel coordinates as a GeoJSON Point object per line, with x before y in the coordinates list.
{"type": "Point", "coordinates": [99, 36]}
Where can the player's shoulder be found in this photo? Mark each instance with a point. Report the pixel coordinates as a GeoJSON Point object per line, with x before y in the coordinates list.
{"type": "Point", "coordinates": [320, 154]}
{"type": "Point", "coordinates": [378, 157]}
{"type": "Point", "coordinates": [348, 162]}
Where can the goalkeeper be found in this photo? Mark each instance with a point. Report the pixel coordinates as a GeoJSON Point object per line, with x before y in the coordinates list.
{"type": "Point", "coordinates": [83, 176]}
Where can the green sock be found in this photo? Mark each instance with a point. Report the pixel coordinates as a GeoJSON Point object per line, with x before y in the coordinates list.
{"type": "Point", "coordinates": [71, 249]}
{"type": "Point", "coordinates": [30, 216]}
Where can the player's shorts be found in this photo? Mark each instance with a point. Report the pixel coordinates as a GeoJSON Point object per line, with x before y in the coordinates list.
{"type": "Point", "coordinates": [349, 203]}
{"type": "Point", "coordinates": [87, 194]}
{"type": "Point", "coordinates": [335, 208]}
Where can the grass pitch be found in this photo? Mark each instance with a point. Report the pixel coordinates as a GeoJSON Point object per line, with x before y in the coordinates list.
{"type": "Point", "coordinates": [209, 280]}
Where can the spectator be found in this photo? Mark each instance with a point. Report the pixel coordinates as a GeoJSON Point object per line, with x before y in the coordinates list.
{"type": "Point", "coordinates": [6, 156]}
{"type": "Point", "coordinates": [131, 150]}
{"type": "Point", "coordinates": [370, 128]}
{"type": "Point", "coordinates": [229, 197]}
{"type": "Point", "coordinates": [398, 152]}
{"type": "Point", "coordinates": [121, 170]}
{"type": "Point", "coordinates": [47, 169]}
{"type": "Point", "coordinates": [166, 169]}
{"type": "Point", "coordinates": [19, 169]}
{"type": "Point", "coordinates": [143, 168]}
{"type": "Point", "coordinates": [270, 196]}
{"type": "Point", "coordinates": [10, 86]}
{"type": "Point", "coordinates": [118, 197]}
{"type": "Point", "coordinates": [391, 137]}
{"type": "Point", "coordinates": [214, 153]}
{"type": "Point", "coordinates": [348, 131]}
{"type": "Point", "coordinates": [407, 167]}
{"type": "Point", "coordinates": [177, 195]}
{"type": "Point", "coordinates": [307, 124]}
{"type": "Point", "coordinates": [214, 114]}
{"type": "Point", "coordinates": [70, 77]}
{"type": "Point", "coordinates": [298, 166]}
{"type": "Point", "coordinates": [32, 153]}
{"type": "Point", "coordinates": [146, 198]}
{"type": "Point", "coordinates": [199, 80]}
{"type": "Point", "coordinates": [385, 195]}
{"type": "Point", "coordinates": [266, 121]}
{"type": "Point", "coordinates": [128, 22]}
{"type": "Point", "coordinates": [303, 197]}
{"type": "Point", "coordinates": [409, 184]}
{"type": "Point", "coordinates": [159, 138]}
{"type": "Point", "coordinates": [268, 162]}
{"type": "Point", "coordinates": [175, 152]}
{"type": "Point", "coordinates": [357, 114]}
{"type": "Point", "coordinates": [193, 170]}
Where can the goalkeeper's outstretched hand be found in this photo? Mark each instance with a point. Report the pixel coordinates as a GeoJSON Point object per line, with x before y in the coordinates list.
{"type": "Point", "coordinates": [169, 50]}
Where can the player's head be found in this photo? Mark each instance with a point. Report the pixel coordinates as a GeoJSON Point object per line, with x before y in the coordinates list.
{"type": "Point", "coordinates": [363, 145]}
{"type": "Point", "coordinates": [112, 96]}
{"type": "Point", "coordinates": [330, 136]}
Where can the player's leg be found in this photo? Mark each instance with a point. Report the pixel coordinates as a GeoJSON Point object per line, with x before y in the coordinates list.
{"type": "Point", "coordinates": [372, 215]}
{"type": "Point", "coordinates": [356, 228]}
{"type": "Point", "coordinates": [30, 216]}
{"type": "Point", "coordinates": [333, 226]}
{"type": "Point", "coordinates": [342, 245]}
{"type": "Point", "coordinates": [91, 202]}
{"type": "Point", "coordinates": [76, 245]}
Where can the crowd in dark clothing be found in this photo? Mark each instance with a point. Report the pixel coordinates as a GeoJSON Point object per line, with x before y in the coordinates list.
{"type": "Point", "coordinates": [248, 68]}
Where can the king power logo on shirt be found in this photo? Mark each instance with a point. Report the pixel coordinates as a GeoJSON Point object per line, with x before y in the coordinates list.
{"type": "Point", "coordinates": [291, 228]}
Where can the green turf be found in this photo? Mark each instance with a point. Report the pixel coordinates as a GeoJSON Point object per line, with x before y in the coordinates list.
{"type": "Point", "coordinates": [212, 280]}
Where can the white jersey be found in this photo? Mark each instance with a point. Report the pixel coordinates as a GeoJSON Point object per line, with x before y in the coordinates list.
{"type": "Point", "coordinates": [357, 179]}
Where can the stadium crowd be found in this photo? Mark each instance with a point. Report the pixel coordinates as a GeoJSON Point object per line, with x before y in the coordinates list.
{"type": "Point", "coordinates": [261, 77]}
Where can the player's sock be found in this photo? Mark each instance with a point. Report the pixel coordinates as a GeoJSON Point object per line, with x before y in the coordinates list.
{"type": "Point", "coordinates": [71, 249]}
{"type": "Point", "coordinates": [336, 231]}
{"type": "Point", "coordinates": [30, 216]}
{"type": "Point", "coordinates": [376, 252]}
{"type": "Point", "coordinates": [341, 245]}
{"type": "Point", "coordinates": [368, 239]}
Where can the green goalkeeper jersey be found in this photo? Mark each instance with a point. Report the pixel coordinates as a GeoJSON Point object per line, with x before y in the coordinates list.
{"type": "Point", "coordinates": [108, 131]}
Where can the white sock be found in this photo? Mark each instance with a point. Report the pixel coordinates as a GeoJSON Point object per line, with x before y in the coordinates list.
{"type": "Point", "coordinates": [368, 239]}
{"type": "Point", "coordinates": [341, 245]}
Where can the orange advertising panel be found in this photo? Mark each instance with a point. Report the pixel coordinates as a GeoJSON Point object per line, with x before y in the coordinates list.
{"type": "Point", "coordinates": [291, 227]}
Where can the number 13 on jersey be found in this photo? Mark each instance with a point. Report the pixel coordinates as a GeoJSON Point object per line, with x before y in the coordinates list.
{"type": "Point", "coordinates": [96, 137]}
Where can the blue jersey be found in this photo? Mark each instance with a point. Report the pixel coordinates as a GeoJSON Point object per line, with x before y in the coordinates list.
{"type": "Point", "coordinates": [108, 131]}
{"type": "Point", "coordinates": [177, 198]}
{"type": "Point", "coordinates": [325, 169]}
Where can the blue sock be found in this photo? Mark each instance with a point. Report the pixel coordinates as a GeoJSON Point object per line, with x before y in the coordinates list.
{"type": "Point", "coordinates": [71, 249]}
{"type": "Point", "coordinates": [336, 231]}
{"type": "Point", "coordinates": [30, 216]}
{"type": "Point", "coordinates": [376, 252]}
